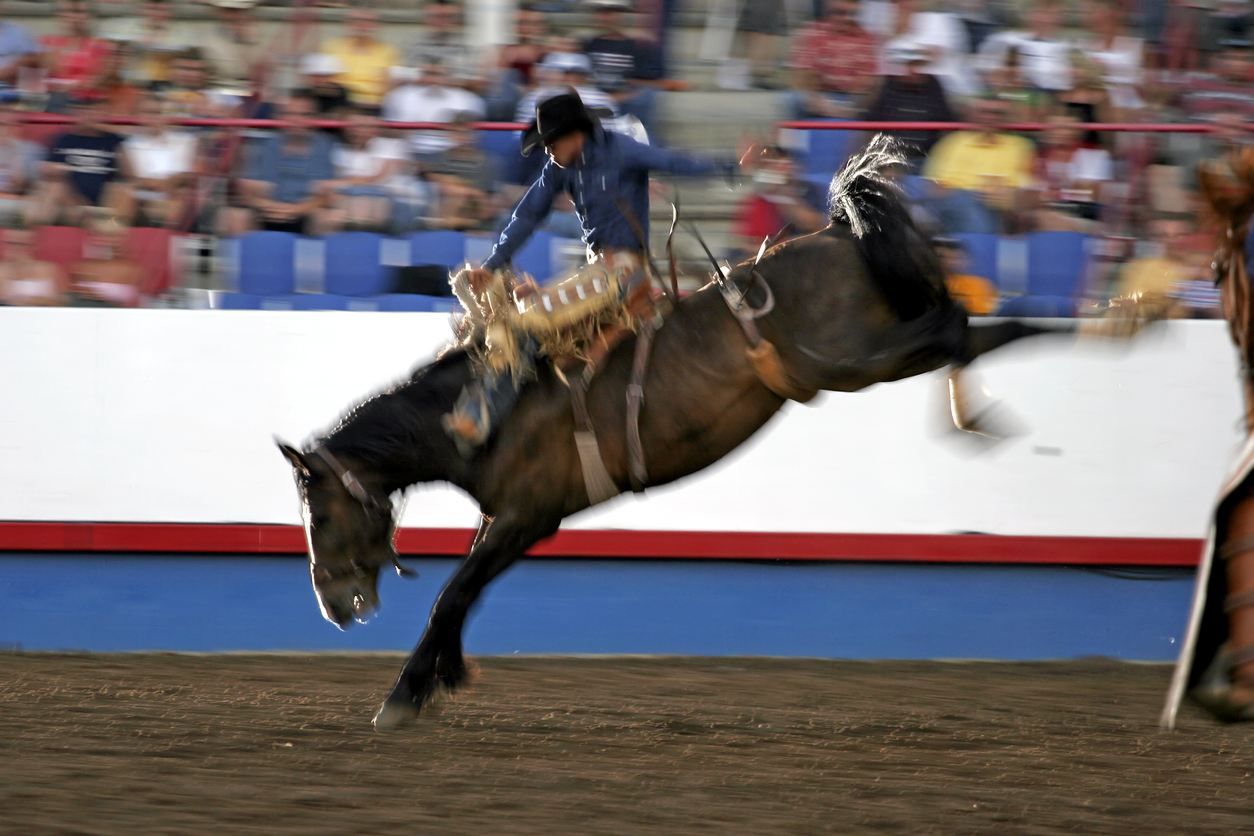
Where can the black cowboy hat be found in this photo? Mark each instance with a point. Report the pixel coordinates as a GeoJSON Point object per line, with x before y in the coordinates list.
{"type": "Point", "coordinates": [556, 117]}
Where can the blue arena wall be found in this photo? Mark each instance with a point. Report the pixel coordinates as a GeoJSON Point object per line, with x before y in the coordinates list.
{"type": "Point", "coordinates": [569, 606]}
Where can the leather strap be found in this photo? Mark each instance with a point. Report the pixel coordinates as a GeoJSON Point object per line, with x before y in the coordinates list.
{"type": "Point", "coordinates": [636, 469]}
{"type": "Point", "coordinates": [1235, 546]}
{"type": "Point", "coordinates": [1238, 656]}
{"type": "Point", "coordinates": [596, 479]}
{"type": "Point", "coordinates": [1239, 600]}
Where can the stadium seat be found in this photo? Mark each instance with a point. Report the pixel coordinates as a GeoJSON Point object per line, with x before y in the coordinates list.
{"type": "Point", "coordinates": [443, 247]}
{"type": "Point", "coordinates": [152, 249]}
{"type": "Point", "coordinates": [981, 249]}
{"type": "Point", "coordinates": [1056, 263]}
{"type": "Point", "coordinates": [504, 146]}
{"type": "Point", "coordinates": [415, 302]}
{"type": "Point", "coordinates": [354, 266]}
{"type": "Point", "coordinates": [62, 245]}
{"type": "Point", "coordinates": [264, 262]}
{"type": "Point", "coordinates": [826, 150]}
{"type": "Point", "coordinates": [1040, 306]}
{"type": "Point", "coordinates": [536, 256]}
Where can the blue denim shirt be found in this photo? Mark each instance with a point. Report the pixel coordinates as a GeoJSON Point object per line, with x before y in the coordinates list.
{"type": "Point", "coordinates": [610, 168]}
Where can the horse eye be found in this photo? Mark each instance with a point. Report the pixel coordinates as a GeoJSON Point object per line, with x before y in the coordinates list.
{"type": "Point", "coordinates": [319, 520]}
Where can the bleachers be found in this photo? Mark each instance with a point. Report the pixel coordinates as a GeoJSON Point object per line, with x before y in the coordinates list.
{"type": "Point", "coordinates": [355, 271]}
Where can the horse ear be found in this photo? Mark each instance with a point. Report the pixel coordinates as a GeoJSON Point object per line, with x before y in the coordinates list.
{"type": "Point", "coordinates": [294, 456]}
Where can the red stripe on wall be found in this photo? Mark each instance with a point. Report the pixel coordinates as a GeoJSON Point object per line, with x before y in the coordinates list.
{"type": "Point", "coordinates": [723, 545]}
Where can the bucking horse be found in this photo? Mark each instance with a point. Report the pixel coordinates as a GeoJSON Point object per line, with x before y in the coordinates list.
{"type": "Point", "coordinates": [861, 302]}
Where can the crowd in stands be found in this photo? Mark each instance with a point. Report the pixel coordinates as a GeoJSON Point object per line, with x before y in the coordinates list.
{"type": "Point", "coordinates": [989, 63]}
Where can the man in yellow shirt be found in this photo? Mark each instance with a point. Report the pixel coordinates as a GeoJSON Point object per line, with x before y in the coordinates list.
{"type": "Point", "coordinates": [364, 59]}
{"type": "Point", "coordinates": [1166, 277]}
{"type": "Point", "coordinates": [980, 172]}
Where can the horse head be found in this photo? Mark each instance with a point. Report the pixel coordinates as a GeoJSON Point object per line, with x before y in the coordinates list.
{"type": "Point", "coordinates": [348, 533]}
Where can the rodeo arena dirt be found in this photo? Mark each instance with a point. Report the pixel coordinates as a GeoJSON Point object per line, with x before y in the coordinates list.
{"type": "Point", "coordinates": [689, 416]}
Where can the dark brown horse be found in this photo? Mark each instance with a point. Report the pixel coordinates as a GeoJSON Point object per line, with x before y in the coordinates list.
{"type": "Point", "coordinates": [861, 302]}
{"type": "Point", "coordinates": [1216, 665]}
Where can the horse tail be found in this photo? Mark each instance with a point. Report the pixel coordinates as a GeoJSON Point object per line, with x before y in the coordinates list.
{"type": "Point", "coordinates": [902, 263]}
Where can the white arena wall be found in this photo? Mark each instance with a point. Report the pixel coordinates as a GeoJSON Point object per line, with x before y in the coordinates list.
{"type": "Point", "coordinates": [168, 416]}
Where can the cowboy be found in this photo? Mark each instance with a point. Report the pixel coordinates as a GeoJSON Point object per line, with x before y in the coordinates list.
{"type": "Point", "coordinates": [606, 175]}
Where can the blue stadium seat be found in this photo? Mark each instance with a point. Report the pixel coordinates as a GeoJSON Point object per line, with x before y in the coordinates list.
{"type": "Point", "coordinates": [266, 263]}
{"type": "Point", "coordinates": [237, 301]}
{"type": "Point", "coordinates": [354, 266]}
{"type": "Point", "coordinates": [504, 146]}
{"type": "Point", "coordinates": [827, 150]}
{"type": "Point", "coordinates": [415, 302]}
{"type": "Point", "coordinates": [1056, 263]}
{"type": "Point", "coordinates": [319, 301]}
{"type": "Point", "coordinates": [443, 247]}
{"type": "Point", "coordinates": [536, 256]}
{"type": "Point", "coordinates": [1041, 306]}
{"type": "Point", "coordinates": [981, 249]}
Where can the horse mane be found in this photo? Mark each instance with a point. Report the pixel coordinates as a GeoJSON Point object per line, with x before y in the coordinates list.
{"type": "Point", "coordinates": [902, 263]}
{"type": "Point", "coordinates": [393, 425]}
{"type": "Point", "coordinates": [1227, 189]}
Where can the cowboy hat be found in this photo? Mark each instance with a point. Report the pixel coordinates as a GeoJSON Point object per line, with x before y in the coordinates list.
{"type": "Point", "coordinates": [557, 117]}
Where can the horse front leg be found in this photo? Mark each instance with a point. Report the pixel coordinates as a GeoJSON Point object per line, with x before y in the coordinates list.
{"type": "Point", "coordinates": [437, 663]}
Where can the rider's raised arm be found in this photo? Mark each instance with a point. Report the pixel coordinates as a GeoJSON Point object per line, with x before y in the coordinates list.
{"type": "Point", "coordinates": [651, 158]}
{"type": "Point", "coordinates": [531, 210]}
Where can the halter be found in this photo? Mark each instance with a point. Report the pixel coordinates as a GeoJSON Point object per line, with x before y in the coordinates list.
{"type": "Point", "coordinates": [372, 505]}
{"type": "Point", "coordinates": [352, 484]}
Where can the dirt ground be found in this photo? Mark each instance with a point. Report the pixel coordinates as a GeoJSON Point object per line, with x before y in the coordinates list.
{"type": "Point", "coordinates": [256, 744]}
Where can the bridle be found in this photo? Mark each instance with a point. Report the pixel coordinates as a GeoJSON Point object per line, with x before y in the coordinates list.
{"type": "Point", "coordinates": [373, 506]}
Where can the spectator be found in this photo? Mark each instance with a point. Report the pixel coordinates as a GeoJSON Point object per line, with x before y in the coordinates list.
{"type": "Point", "coordinates": [74, 62]}
{"type": "Point", "coordinates": [19, 162]}
{"type": "Point", "coordinates": [764, 25]}
{"type": "Point", "coordinates": [24, 280]}
{"type": "Point", "coordinates": [108, 279]}
{"type": "Point", "coordinates": [1226, 90]}
{"type": "Point", "coordinates": [237, 49]}
{"type": "Point", "coordinates": [943, 39]}
{"type": "Point", "coordinates": [364, 60]}
{"type": "Point", "coordinates": [978, 295]}
{"type": "Point", "coordinates": [286, 181]}
{"type": "Point", "coordinates": [1176, 33]}
{"type": "Point", "coordinates": [558, 73]}
{"type": "Point", "coordinates": [1088, 99]}
{"type": "Point", "coordinates": [513, 71]}
{"type": "Point", "coordinates": [1070, 176]}
{"type": "Point", "coordinates": [835, 63]}
{"type": "Point", "coordinates": [913, 96]}
{"type": "Point", "coordinates": [980, 173]}
{"type": "Point", "coordinates": [18, 51]}
{"type": "Point", "coordinates": [162, 160]}
{"type": "Point", "coordinates": [429, 98]}
{"type": "Point", "coordinates": [1166, 275]}
{"type": "Point", "coordinates": [371, 172]}
{"type": "Point", "coordinates": [1044, 56]}
{"type": "Point", "coordinates": [148, 43]}
{"type": "Point", "coordinates": [318, 72]}
{"type": "Point", "coordinates": [628, 69]}
{"type": "Point", "coordinates": [1229, 26]}
{"type": "Point", "coordinates": [1120, 56]}
{"type": "Point", "coordinates": [444, 44]}
{"type": "Point", "coordinates": [465, 179]}
{"type": "Point", "coordinates": [780, 200]}
{"type": "Point", "coordinates": [85, 168]}
{"type": "Point", "coordinates": [188, 91]}
{"type": "Point", "coordinates": [1024, 102]}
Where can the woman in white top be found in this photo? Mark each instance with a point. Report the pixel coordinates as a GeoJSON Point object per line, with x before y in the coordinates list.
{"type": "Point", "coordinates": [1120, 56]}
{"type": "Point", "coordinates": [25, 281]}
{"type": "Point", "coordinates": [373, 174]}
{"type": "Point", "coordinates": [163, 161]}
{"type": "Point", "coordinates": [943, 37]}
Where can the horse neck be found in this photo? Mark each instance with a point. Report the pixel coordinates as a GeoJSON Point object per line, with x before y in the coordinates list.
{"type": "Point", "coordinates": [396, 439]}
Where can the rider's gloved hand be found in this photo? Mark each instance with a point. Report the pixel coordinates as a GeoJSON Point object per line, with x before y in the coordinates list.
{"type": "Point", "coordinates": [479, 278]}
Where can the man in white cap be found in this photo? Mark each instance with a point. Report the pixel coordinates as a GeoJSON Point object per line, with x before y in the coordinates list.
{"type": "Point", "coordinates": [318, 73]}
{"type": "Point", "coordinates": [560, 72]}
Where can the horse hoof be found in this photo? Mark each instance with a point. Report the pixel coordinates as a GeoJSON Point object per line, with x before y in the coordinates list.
{"type": "Point", "coordinates": [1224, 704]}
{"type": "Point", "coordinates": [392, 715]}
